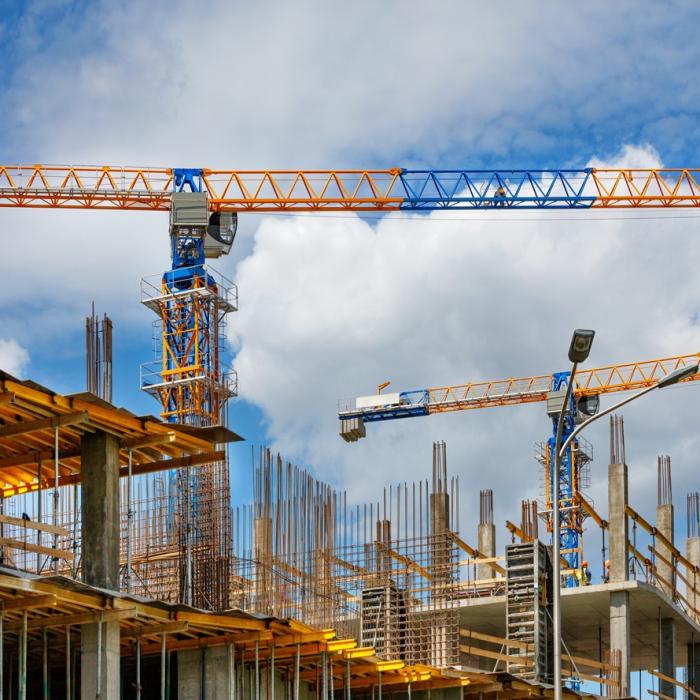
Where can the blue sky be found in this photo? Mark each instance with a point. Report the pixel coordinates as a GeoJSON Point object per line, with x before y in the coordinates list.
{"type": "Point", "coordinates": [331, 307]}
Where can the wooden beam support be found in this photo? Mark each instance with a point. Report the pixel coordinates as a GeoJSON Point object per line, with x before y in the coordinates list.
{"type": "Point", "coordinates": [34, 525]}
{"type": "Point", "coordinates": [148, 441]}
{"type": "Point", "coordinates": [76, 619]}
{"type": "Point", "coordinates": [33, 426]}
{"type": "Point", "coordinates": [149, 630]}
{"type": "Point", "coordinates": [29, 602]}
{"type": "Point", "coordinates": [37, 549]}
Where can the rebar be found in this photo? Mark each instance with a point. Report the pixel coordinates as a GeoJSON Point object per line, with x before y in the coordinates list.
{"type": "Point", "coordinates": [486, 507]}
{"type": "Point", "coordinates": [617, 440]}
{"type": "Point", "coordinates": [664, 492]}
{"type": "Point", "coordinates": [693, 514]}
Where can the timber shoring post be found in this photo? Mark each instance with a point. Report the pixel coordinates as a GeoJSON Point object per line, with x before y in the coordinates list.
{"type": "Point", "coordinates": [68, 660]}
{"type": "Point", "coordinates": [22, 682]}
{"type": "Point", "coordinates": [271, 693]}
{"type": "Point", "coordinates": [257, 670]}
{"type": "Point", "coordinates": [162, 665]}
{"type": "Point", "coordinates": [55, 498]}
{"type": "Point", "coordinates": [138, 667]}
{"type": "Point", "coordinates": [297, 664]}
{"type": "Point", "coordinates": [98, 695]}
{"type": "Point", "coordinates": [45, 663]}
{"type": "Point", "coordinates": [2, 655]}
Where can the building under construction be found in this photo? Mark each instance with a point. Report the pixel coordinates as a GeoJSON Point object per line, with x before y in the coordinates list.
{"type": "Point", "coordinates": [303, 591]}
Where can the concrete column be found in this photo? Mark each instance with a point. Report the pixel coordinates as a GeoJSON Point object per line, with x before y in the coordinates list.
{"type": "Point", "coordinates": [667, 656]}
{"type": "Point", "coordinates": [487, 548]}
{"type": "Point", "coordinates": [664, 524]}
{"type": "Point", "coordinates": [694, 666]}
{"type": "Point", "coordinates": [262, 537]}
{"type": "Point", "coordinates": [99, 456]}
{"type": "Point", "coordinates": [620, 635]}
{"type": "Point", "coordinates": [618, 537]}
{"type": "Point", "coordinates": [208, 667]}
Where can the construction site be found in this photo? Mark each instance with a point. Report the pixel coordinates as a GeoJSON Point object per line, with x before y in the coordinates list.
{"type": "Point", "coordinates": [126, 570]}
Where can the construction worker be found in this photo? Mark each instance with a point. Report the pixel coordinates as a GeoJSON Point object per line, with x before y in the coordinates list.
{"type": "Point", "coordinates": [499, 197]}
{"type": "Point", "coordinates": [583, 575]}
{"type": "Point", "coordinates": [606, 571]}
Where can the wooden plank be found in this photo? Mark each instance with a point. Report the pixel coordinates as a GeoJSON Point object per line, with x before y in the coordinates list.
{"type": "Point", "coordinates": [477, 651]}
{"type": "Point", "coordinates": [600, 522]}
{"type": "Point", "coordinates": [494, 640]}
{"type": "Point", "coordinates": [35, 525]}
{"type": "Point", "coordinates": [149, 630]}
{"type": "Point", "coordinates": [29, 602]}
{"type": "Point", "coordinates": [33, 426]}
{"type": "Point", "coordinates": [582, 661]}
{"type": "Point", "coordinates": [659, 695]}
{"type": "Point", "coordinates": [148, 441]}
{"type": "Point", "coordinates": [76, 619]}
{"type": "Point", "coordinates": [661, 537]}
{"type": "Point", "coordinates": [6, 397]}
{"type": "Point", "coordinates": [220, 621]}
{"type": "Point", "coordinates": [475, 553]}
{"type": "Point", "coordinates": [664, 677]}
{"type": "Point", "coordinates": [37, 549]}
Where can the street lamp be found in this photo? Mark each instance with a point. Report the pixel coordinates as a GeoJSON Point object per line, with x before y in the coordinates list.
{"type": "Point", "coordinates": [580, 347]}
{"type": "Point", "coordinates": [578, 352]}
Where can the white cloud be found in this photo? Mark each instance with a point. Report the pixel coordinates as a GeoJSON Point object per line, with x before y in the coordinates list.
{"type": "Point", "coordinates": [13, 357]}
{"type": "Point", "coordinates": [333, 306]}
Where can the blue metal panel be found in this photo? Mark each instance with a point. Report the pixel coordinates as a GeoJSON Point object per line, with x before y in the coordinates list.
{"type": "Point", "coordinates": [509, 189]}
{"type": "Point", "coordinates": [190, 178]}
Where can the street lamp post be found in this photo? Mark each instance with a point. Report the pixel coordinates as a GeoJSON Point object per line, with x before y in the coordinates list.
{"type": "Point", "coordinates": [560, 450]}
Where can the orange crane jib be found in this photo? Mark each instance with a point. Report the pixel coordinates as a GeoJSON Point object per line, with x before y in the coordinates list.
{"type": "Point", "coordinates": [391, 189]}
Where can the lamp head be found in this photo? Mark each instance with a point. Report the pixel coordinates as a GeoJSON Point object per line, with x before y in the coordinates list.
{"type": "Point", "coordinates": [678, 375]}
{"type": "Point", "coordinates": [581, 343]}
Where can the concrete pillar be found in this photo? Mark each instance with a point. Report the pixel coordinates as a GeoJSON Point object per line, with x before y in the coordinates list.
{"type": "Point", "coordinates": [667, 656]}
{"type": "Point", "coordinates": [664, 524]}
{"type": "Point", "coordinates": [487, 548]}
{"type": "Point", "coordinates": [620, 635]}
{"type": "Point", "coordinates": [618, 537]}
{"type": "Point", "coordinates": [208, 667]}
{"type": "Point", "coordinates": [694, 666]}
{"type": "Point", "coordinates": [99, 457]}
{"type": "Point", "coordinates": [439, 513]}
{"type": "Point", "coordinates": [262, 543]}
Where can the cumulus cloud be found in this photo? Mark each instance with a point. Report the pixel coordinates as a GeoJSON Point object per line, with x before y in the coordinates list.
{"type": "Point", "coordinates": [334, 306]}
{"type": "Point", "coordinates": [13, 357]}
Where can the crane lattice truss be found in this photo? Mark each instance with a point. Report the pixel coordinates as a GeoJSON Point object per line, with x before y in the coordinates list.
{"type": "Point", "coordinates": [109, 187]}
{"type": "Point", "coordinates": [187, 377]}
{"type": "Point", "coordinates": [505, 392]}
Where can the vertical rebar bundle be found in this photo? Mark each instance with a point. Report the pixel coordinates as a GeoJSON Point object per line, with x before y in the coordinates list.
{"type": "Point", "coordinates": [529, 520]}
{"type": "Point", "coordinates": [486, 507]}
{"type": "Point", "coordinates": [663, 490]}
{"type": "Point", "coordinates": [98, 357]}
{"type": "Point", "coordinates": [693, 514]}
{"type": "Point", "coordinates": [439, 467]}
{"type": "Point", "coordinates": [617, 440]}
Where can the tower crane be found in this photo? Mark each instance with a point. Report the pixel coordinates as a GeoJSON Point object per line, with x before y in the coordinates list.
{"type": "Point", "coordinates": [187, 376]}
{"type": "Point", "coordinates": [589, 385]}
